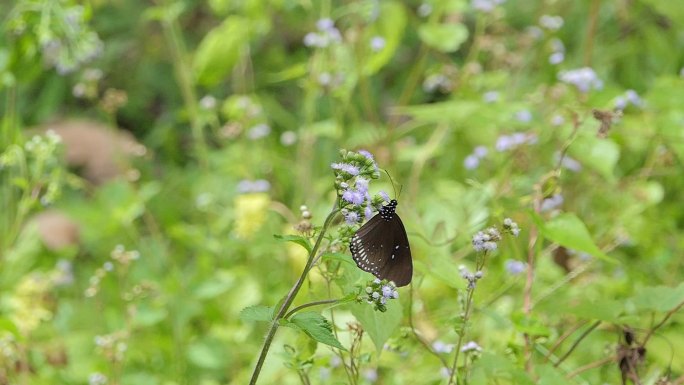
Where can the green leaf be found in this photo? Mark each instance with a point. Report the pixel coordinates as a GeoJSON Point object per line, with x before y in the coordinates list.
{"type": "Point", "coordinates": [548, 375]}
{"type": "Point", "coordinates": [339, 257]}
{"type": "Point", "coordinates": [659, 298]}
{"type": "Point", "coordinates": [257, 313]}
{"type": "Point", "coordinates": [220, 50]}
{"type": "Point", "coordinates": [569, 231]}
{"type": "Point", "coordinates": [207, 354]}
{"type": "Point", "coordinates": [298, 239]}
{"type": "Point", "coordinates": [443, 37]}
{"type": "Point", "coordinates": [529, 325]}
{"type": "Point", "coordinates": [390, 27]}
{"type": "Point", "coordinates": [601, 155]}
{"type": "Point", "coordinates": [602, 309]}
{"type": "Point", "coordinates": [316, 327]}
{"type": "Point", "coordinates": [379, 326]}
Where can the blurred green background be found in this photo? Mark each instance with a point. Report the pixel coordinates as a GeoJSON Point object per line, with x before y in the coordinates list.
{"type": "Point", "coordinates": [151, 150]}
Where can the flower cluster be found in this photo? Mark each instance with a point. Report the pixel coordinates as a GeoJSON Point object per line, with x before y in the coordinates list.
{"type": "Point", "coordinates": [524, 116]}
{"type": "Point", "coordinates": [352, 177]}
{"type": "Point", "coordinates": [120, 255]}
{"type": "Point", "coordinates": [584, 79]}
{"type": "Point", "coordinates": [510, 142]}
{"type": "Point", "coordinates": [629, 97]}
{"type": "Point", "coordinates": [473, 160]}
{"type": "Point", "coordinates": [472, 278]}
{"type": "Point", "coordinates": [379, 292]}
{"type": "Point", "coordinates": [553, 23]}
{"type": "Point", "coordinates": [511, 227]}
{"type": "Point", "coordinates": [490, 96]}
{"type": "Point", "coordinates": [112, 346]}
{"type": "Point", "coordinates": [441, 347]}
{"type": "Point", "coordinates": [557, 52]}
{"type": "Point", "coordinates": [97, 378]}
{"type": "Point", "coordinates": [326, 35]}
{"type": "Point", "coordinates": [377, 43]}
{"type": "Point", "coordinates": [485, 5]}
{"type": "Point", "coordinates": [486, 240]}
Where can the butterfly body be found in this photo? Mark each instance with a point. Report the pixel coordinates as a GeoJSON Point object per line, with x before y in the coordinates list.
{"type": "Point", "coordinates": [381, 247]}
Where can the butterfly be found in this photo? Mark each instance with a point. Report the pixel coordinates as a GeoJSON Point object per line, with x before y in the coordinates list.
{"type": "Point", "coordinates": [381, 247]}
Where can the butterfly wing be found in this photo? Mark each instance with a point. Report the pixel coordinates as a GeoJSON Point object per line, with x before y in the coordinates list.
{"type": "Point", "coordinates": [381, 248]}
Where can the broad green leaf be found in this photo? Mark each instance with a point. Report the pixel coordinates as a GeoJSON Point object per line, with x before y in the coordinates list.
{"type": "Point", "coordinates": [390, 26]}
{"type": "Point", "coordinates": [529, 325]}
{"type": "Point", "coordinates": [548, 375]}
{"type": "Point", "coordinates": [601, 155]}
{"type": "Point", "coordinates": [379, 326]}
{"type": "Point", "coordinates": [569, 231]}
{"type": "Point", "coordinates": [659, 298]}
{"type": "Point", "coordinates": [498, 366]}
{"type": "Point", "coordinates": [316, 327]}
{"type": "Point", "coordinates": [257, 313]}
{"type": "Point", "coordinates": [208, 355]}
{"type": "Point", "coordinates": [220, 50]}
{"type": "Point", "coordinates": [604, 309]}
{"type": "Point", "coordinates": [339, 257]}
{"type": "Point", "coordinates": [298, 239]}
{"type": "Point", "coordinates": [443, 37]}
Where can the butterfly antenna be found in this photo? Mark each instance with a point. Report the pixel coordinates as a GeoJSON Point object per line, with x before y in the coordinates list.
{"type": "Point", "coordinates": [392, 181]}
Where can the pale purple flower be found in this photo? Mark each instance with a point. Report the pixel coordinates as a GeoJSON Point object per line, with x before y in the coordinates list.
{"type": "Point", "coordinates": [387, 291]}
{"type": "Point", "coordinates": [485, 5]}
{"type": "Point", "coordinates": [384, 196]}
{"type": "Point", "coordinates": [471, 346]}
{"type": "Point", "coordinates": [368, 212]}
{"type": "Point", "coordinates": [324, 78]}
{"type": "Point", "coordinates": [346, 167]}
{"type": "Point", "coordinates": [524, 116]}
{"type": "Point", "coordinates": [584, 79]}
{"type": "Point", "coordinates": [569, 163]}
{"type": "Point", "coordinates": [552, 23]}
{"type": "Point", "coordinates": [556, 58]}
{"type": "Point", "coordinates": [557, 120]}
{"type": "Point", "coordinates": [351, 217]}
{"type": "Point", "coordinates": [480, 151]}
{"type": "Point", "coordinates": [362, 185]}
{"type": "Point", "coordinates": [259, 131]}
{"type": "Point", "coordinates": [514, 267]}
{"type": "Point", "coordinates": [471, 162]}
{"type": "Point", "coordinates": [486, 240]}
{"type": "Point", "coordinates": [312, 39]}
{"type": "Point", "coordinates": [367, 154]}
{"type": "Point", "coordinates": [377, 43]}
{"type": "Point", "coordinates": [490, 96]}
{"type": "Point", "coordinates": [509, 142]}
{"type": "Point", "coordinates": [288, 138]}
{"type": "Point", "coordinates": [551, 202]}
{"type": "Point", "coordinates": [325, 24]}
{"type": "Point", "coordinates": [424, 10]}
{"type": "Point", "coordinates": [353, 196]}
{"type": "Point", "coordinates": [371, 375]}
{"type": "Point", "coordinates": [324, 373]}
{"type": "Point", "coordinates": [441, 347]}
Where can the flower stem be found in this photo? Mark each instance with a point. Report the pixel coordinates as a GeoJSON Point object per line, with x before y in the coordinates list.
{"type": "Point", "coordinates": [282, 311]}
{"type": "Point", "coordinates": [310, 304]}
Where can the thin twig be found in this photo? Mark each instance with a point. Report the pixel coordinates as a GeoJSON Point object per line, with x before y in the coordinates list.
{"type": "Point", "coordinates": [592, 365]}
{"type": "Point", "coordinates": [661, 323]}
{"type": "Point", "coordinates": [310, 304]}
{"type": "Point", "coordinates": [562, 339]}
{"type": "Point", "coordinates": [577, 342]}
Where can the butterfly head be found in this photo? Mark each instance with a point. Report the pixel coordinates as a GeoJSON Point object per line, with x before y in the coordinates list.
{"type": "Point", "coordinates": [387, 211]}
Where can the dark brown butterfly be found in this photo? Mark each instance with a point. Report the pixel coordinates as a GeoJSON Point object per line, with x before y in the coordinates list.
{"type": "Point", "coordinates": [381, 247]}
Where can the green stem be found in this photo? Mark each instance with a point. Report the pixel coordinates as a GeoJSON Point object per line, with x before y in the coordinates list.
{"type": "Point", "coordinates": [184, 78]}
{"type": "Point", "coordinates": [310, 304]}
{"type": "Point", "coordinates": [291, 296]}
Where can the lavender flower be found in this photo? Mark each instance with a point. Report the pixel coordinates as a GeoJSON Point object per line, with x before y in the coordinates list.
{"type": "Point", "coordinates": [485, 5]}
{"type": "Point", "coordinates": [353, 197]}
{"type": "Point", "coordinates": [552, 23]}
{"type": "Point", "coordinates": [351, 217]}
{"type": "Point", "coordinates": [514, 267]}
{"type": "Point", "coordinates": [259, 131]}
{"type": "Point", "coordinates": [524, 116]}
{"type": "Point", "coordinates": [471, 162]}
{"type": "Point", "coordinates": [509, 142]}
{"type": "Point", "coordinates": [385, 196]}
{"type": "Point", "coordinates": [377, 43]}
{"type": "Point", "coordinates": [471, 346]}
{"type": "Point", "coordinates": [584, 79]}
{"type": "Point", "coordinates": [440, 347]}
{"type": "Point", "coordinates": [424, 10]}
{"type": "Point", "coordinates": [490, 96]}
{"type": "Point", "coordinates": [327, 34]}
{"type": "Point", "coordinates": [486, 240]}
{"type": "Point", "coordinates": [629, 97]}
{"type": "Point", "coordinates": [556, 58]}
{"type": "Point", "coordinates": [511, 227]}
{"type": "Point", "coordinates": [551, 202]}
{"type": "Point", "coordinates": [378, 292]}
{"type": "Point", "coordinates": [557, 120]}
{"type": "Point", "coordinates": [480, 151]}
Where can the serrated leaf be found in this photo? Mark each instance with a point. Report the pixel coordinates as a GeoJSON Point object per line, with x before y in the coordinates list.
{"type": "Point", "coordinates": [659, 298]}
{"type": "Point", "coordinates": [569, 231]}
{"type": "Point", "coordinates": [316, 327]}
{"type": "Point", "coordinates": [390, 27]}
{"type": "Point", "coordinates": [443, 37]}
{"type": "Point", "coordinates": [379, 326]}
{"type": "Point", "coordinates": [298, 239]}
{"type": "Point", "coordinates": [257, 313]}
{"type": "Point", "coordinates": [220, 50]}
